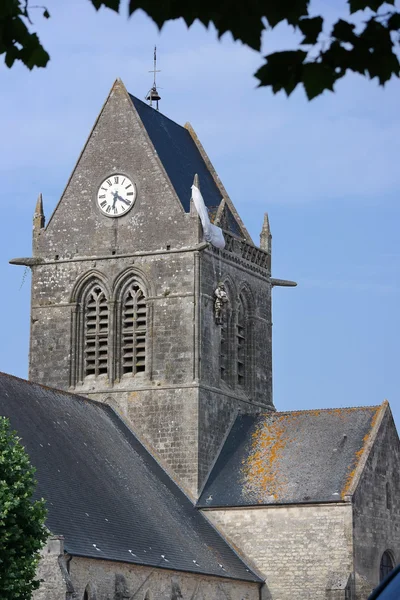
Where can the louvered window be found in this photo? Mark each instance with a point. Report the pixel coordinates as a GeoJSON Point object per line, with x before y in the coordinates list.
{"type": "Point", "coordinates": [96, 333]}
{"type": "Point", "coordinates": [134, 326]}
{"type": "Point", "coordinates": [240, 344]}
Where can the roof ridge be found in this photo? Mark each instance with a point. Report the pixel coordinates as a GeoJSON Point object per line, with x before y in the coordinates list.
{"type": "Point", "coordinates": [53, 389]}
{"type": "Point", "coordinates": [318, 410]}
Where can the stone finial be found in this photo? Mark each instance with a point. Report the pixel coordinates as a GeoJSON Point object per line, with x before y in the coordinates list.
{"type": "Point", "coordinates": [38, 217]}
{"type": "Point", "coordinates": [196, 181]}
{"type": "Point", "coordinates": [265, 235]}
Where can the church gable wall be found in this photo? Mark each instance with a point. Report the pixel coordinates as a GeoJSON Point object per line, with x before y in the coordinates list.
{"type": "Point", "coordinates": [376, 504]}
{"type": "Point", "coordinates": [119, 581]}
{"type": "Point", "coordinates": [117, 144]}
{"type": "Point", "coordinates": [300, 550]}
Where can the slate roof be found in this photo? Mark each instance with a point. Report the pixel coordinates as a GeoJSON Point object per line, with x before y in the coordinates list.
{"type": "Point", "coordinates": [291, 457]}
{"type": "Point", "coordinates": [179, 155]}
{"type": "Point", "coordinates": [105, 493]}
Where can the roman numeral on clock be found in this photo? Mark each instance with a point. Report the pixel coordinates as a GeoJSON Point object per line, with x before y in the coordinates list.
{"type": "Point", "coordinates": [102, 204]}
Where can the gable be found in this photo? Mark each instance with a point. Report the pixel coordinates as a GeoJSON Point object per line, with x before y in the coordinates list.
{"type": "Point", "coordinates": [104, 492]}
{"type": "Point", "coordinates": [380, 463]}
{"type": "Point", "coordinates": [117, 144]}
{"type": "Point", "coordinates": [286, 458]}
{"type": "Point", "coordinates": [162, 158]}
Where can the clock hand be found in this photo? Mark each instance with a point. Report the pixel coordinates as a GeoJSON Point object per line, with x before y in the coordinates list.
{"type": "Point", "coordinates": [115, 194]}
{"type": "Point", "coordinates": [122, 199]}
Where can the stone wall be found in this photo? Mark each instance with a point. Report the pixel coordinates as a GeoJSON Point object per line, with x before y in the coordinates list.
{"type": "Point", "coordinates": [52, 572]}
{"type": "Point", "coordinates": [377, 508]}
{"type": "Point", "coordinates": [107, 580]}
{"type": "Point", "coordinates": [250, 283]}
{"type": "Point", "coordinates": [301, 550]}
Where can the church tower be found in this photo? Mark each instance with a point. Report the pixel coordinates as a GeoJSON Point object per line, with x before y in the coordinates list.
{"type": "Point", "coordinates": [124, 304]}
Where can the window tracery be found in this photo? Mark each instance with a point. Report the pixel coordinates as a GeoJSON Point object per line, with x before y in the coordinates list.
{"type": "Point", "coordinates": [108, 331]}
{"type": "Point", "coordinates": [96, 330]}
{"type": "Point", "coordinates": [133, 330]}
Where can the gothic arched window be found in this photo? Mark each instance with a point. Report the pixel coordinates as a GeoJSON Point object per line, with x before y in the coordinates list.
{"type": "Point", "coordinates": [386, 566]}
{"type": "Point", "coordinates": [95, 332]}
{"type": "Point", "coordinates": [241, 343]}
{"type": "Point", "coordinates": [133, 330]}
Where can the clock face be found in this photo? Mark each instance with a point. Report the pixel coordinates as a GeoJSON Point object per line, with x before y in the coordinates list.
{"type": "Point", "coordinates": [116, 195]}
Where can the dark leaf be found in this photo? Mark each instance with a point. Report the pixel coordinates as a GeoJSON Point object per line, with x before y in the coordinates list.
{"type": "Point", "coordinates": [283, 70]}
{"type": "Point", "coordinates": [37, 58]}
{"type": "Point", "coordinates": [337, 57]}
{"type": "Point", "coordinates": [343, 31]}
{"type": "Point", "coordinates": [46, 14]}
{"type": "Point", "coordinates": [112, 4]}
{"type": "Point", "coordinates": [317, 77]}
{"type": "Point", "coordinates": [10, 58]}
{"type": "Point", "coordinates": [394, 22]}
{"type": "Point", "coordinates": [244, 20]}
{"type": "Point", "coordinates": [277, 11]}
{"type": "Point", "coordinates": [9, 8]}
{"type": "Point", "coordinates": [311, 28]}
{"type": "Point", "coordinates": [356, 5]}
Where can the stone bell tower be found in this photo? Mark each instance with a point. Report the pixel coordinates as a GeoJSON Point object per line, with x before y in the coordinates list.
{"type": "Point", "coordinates": [123, 304]}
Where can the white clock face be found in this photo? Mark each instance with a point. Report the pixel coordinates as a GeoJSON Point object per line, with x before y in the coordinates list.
{"type": "Point", "coordinates": [116, 195]}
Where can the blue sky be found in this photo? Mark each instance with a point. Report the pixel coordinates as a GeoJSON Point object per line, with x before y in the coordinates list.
{"type": "Point", "coordinates": [327, 172]}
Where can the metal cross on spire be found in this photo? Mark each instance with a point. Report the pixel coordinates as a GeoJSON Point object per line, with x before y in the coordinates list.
{"type": "Point", "coordinates": [153, 95]}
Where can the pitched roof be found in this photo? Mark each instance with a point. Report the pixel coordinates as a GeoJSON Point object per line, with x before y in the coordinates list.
{"type": "Point", "coordinates": [181, 159]}
{"type": "Point", "coordinates": [105, 493]}
{"type": "Point", "coordinates": [290, 457]}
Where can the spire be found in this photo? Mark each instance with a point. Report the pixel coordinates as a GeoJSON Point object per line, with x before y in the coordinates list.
{"type": "Point", "coordinates": [38, 217]}
{"type": "Point", "coordinates": [196, 181]}
{"type": "Point", "coordinates": [265, 235]}
{"type": "Point", "coordinates": [153, 95]}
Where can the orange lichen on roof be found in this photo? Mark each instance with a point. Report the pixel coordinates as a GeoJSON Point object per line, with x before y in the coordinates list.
{"type": "Point", "coordinates": [261, 469]}
{"type": "Point", "coordinates": [352, 469]}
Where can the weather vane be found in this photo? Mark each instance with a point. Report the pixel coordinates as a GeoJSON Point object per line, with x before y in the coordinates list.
{"type": "Point", "coordinates": [153, 95]}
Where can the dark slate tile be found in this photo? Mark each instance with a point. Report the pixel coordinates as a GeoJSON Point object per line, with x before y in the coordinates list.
{"type": "Point", "coordinates": [292, 457]}
{"type": "Point", "coordinates": [105, 493]}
